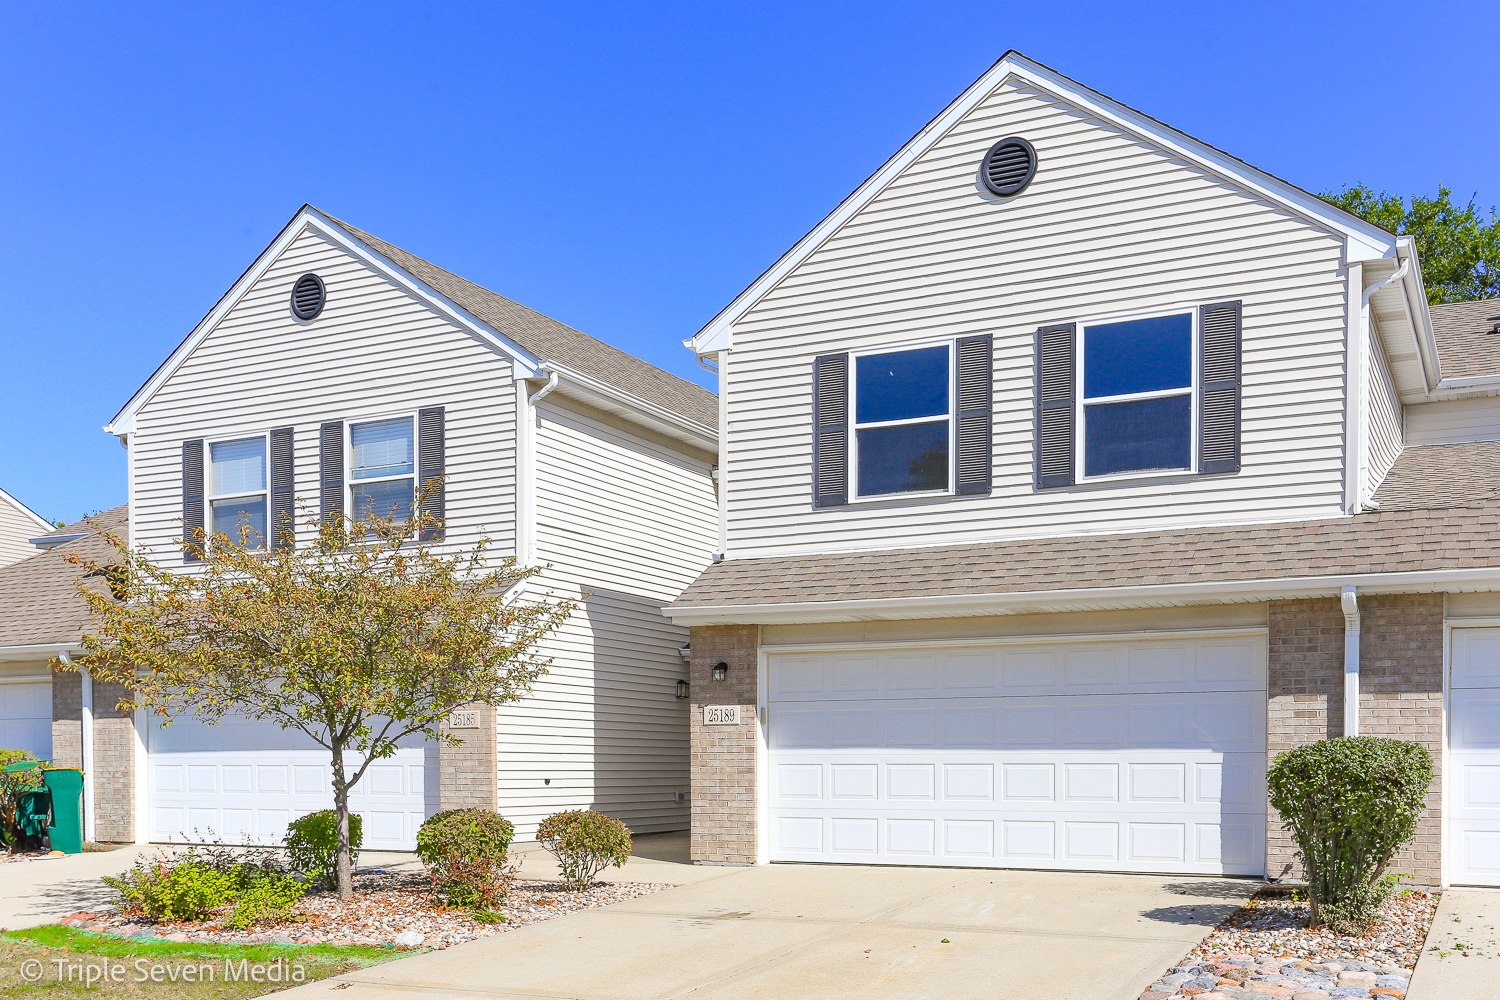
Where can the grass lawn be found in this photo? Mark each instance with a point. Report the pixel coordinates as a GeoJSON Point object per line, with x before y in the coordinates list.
{"type": "Point", "coordinates": [125, 967]}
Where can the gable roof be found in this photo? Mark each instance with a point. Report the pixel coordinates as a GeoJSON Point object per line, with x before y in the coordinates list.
{"type": "Point", "coordinates": [1365, 240]}
{"type": "Point", "coordinates": [1467, 345]}
{"type": "Point", "coordinates": [39, 603]}
{"type": "Point", "coordinates": [533, 341]}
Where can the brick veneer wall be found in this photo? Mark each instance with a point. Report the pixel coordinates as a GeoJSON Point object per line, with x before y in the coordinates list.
{"type": "Point", "coordinates": [723, 763]}
{"type": "Point", "coordinates": [467, 774]}
{"type": "Point", "coordinates": [1401, 695]}
{"type": "Point", "coordinates": [67, 719]}
{"type": "Point", "coordinates": [114, 751]}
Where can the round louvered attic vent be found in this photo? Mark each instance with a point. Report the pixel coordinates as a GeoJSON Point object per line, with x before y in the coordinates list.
{"type": "Point", "coordinates": [1008, 167]}
{"type": "Point", "coordinates": [307, 296]}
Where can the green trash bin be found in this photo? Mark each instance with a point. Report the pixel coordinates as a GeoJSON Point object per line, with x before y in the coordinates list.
{"type": "Point", "coordinates": [66, 786]}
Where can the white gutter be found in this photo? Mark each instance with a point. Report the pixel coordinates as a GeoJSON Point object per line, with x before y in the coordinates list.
{"type": "Point", "coordinates": [1349, 599]}
{"type": "Point", "coordinates": [1485, 578]}
{"type": "Point", "coordinates": [541, 393]}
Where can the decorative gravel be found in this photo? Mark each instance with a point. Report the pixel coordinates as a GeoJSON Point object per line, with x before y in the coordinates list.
{"type": "Point", "coordinates": [1265, 949]}
{"type": "Point", "coordinates": [384, 905]}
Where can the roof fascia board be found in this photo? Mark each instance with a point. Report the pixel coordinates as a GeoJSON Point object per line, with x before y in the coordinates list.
{"type": "Point", "coordinates": [124, 421]}
{"type": "Point", "coordinates": [1233, 591]}
{"type": "Point", "coordinates": [1414, 300]}
{"type": "Point", "coordinates": [648, 414]}
{"type": "Point", "coordinates": [38, 650]}
{"type": "Point", "coordinates": [18, 505]}
{"type": "Point", "coordinates": [1363, 240]}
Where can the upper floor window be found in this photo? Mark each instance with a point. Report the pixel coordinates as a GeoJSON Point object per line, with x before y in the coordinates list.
{"type": "Point", "coordinates": [1137, 412]}
{"type": "Point", "coordinates": [237, 489]}
{"type": "Point", "coordinates": [902, 422]}
{"type": "Point", "coordinates": [382, 468]}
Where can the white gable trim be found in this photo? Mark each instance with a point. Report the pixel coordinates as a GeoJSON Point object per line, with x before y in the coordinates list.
{"type": "Point", "coordinates": [305, 219]}
{"type": "Point", "coordinates": [1363, 241]}
{"type": "Point", "coordinates": [18, 505]}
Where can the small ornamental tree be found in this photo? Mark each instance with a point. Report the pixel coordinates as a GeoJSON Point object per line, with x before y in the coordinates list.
{"type": "Point", "coordinates": [365, 635]}
{"type": "Point", "coordinates": [1350, 803]}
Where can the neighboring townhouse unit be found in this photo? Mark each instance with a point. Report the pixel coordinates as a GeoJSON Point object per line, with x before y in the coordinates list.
{"type": "Point", "coordinates": [1070, 468]}
{"type": "Point", "coordinates": [340, 372]}
{"type": "Point", "coordinates": [19, 524]}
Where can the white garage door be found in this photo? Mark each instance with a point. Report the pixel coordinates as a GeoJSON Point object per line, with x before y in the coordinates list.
{"type": "Point", "coordinates": [244, 781]}
{"type": "Point", "coordinates": [1474, 750]}
{"type": "Point", "coordinates": [26, 715]}
{"type": "Point", "coordinates": [1108, 755]}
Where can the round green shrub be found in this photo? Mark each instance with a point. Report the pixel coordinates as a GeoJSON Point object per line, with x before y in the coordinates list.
{"type": "Point", "coordinates": [312, 844]}
{"type": "Point", "coordinates": [464, 851]}
{"type": "Point", "coordinates": [584, 842]}
{"type": "Point", "coordinates": [1350, 803]}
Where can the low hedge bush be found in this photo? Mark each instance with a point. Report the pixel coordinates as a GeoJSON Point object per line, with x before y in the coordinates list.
{"type": "Point", "coordinates": [1350, 804]}
{"type": "Point", "coordinates": [264, 900]}
{"type": "Point", "coordinates": [180, 887]}
{"type": "Point", "coordinates": [312, 845]}
{"type": "Point", "coordinates": [464, 851]}
{"type": "Point", "coordinates": [585, 843]}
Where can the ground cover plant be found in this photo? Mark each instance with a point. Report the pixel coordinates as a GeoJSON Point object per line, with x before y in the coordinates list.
{"type": "Point", "coordinates": [195, 883]}
{"type": "Point", "coordinates": [1350, 804]}
{"type": "Point", "coordinates": [584, 842]}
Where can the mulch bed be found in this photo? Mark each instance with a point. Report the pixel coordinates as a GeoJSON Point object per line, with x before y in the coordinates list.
{"type": "Point", "coordinates": [1266, 949]}
{"type": "Point", "coordinates": [384, 905]}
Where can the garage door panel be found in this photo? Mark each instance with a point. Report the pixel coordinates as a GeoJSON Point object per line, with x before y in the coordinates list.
{"type": "Point", "coordinates": [986, 759]}
{"type": "Point", "coordinates": [26, 716]}
{"type": "Point", "coordinates": [1473, 794]}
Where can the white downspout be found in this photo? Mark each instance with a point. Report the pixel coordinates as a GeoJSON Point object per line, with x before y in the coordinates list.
{"type": "Point", "coordinates": [1350, 601]}
{"type": "Point", "coordinates": [537, 396]}
{"type": "Point", "coordinates": [86, 744]}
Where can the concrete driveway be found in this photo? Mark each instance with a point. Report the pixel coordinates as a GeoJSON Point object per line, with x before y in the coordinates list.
{"type": "Point", "coordinates": [833, 932]}
{"type": "Point", "coordinates": [45, 890]}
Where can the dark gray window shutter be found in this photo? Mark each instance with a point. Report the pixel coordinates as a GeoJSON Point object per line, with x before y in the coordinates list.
{"type": "Point", "coordinates": [1219, 388]}
{"type": "Point", "coordinates": [283, 525]}
{"type": "Point", "coordinates": [1054, 405]}
{"type": "Point", "coordinates": [192, 500]}
{"type": "Point", "coordinates": [430, 467]}
{"type": "Point", "coordinates": [331, 471]}
{"type": "Point", "coordinates": [975, 401]}
{"type": "Point", "coordinates": [830, 430]}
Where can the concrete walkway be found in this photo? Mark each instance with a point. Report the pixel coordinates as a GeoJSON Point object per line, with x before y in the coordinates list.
{"type": "Point", "coordinates": [1468, 920]}
{"type": "Point", "coordinates": [45, 890]}
{"type": "Point", "coordinates": [834, 932]}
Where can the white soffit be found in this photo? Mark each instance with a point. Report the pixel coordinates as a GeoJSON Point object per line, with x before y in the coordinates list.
{"type": "Point", "coordinates": [1363, 241]}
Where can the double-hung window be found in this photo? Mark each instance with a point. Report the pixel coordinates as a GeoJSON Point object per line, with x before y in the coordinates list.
{"type": "Point", "coordinates": [1137, 412]}
{"type": "Point", "coordinates": [903, 427]}
{"type": "Point", "coordinates": [382, 469]}
{"type": "Point", "coordinates": [237, 490]}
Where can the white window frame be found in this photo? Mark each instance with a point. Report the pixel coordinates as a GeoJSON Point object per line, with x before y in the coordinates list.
{"type": "Point", "coordinates": [855, 427]}
{"type": "Point", "coordinates": [210, 485]}
{"type": "Point", "coordinates": [1082, 402]}
{"type": "Point", "coordinates": [350, 514]}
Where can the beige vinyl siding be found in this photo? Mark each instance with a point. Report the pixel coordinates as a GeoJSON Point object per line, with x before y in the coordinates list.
{"type": "Point", "coordinates": [375, 351]}
{"type": "Point", "coordinates": [16, 526]}
{"type": "Point", "coordinates": [1453, 421]}
{"type": "Point", "coordinates": [625, 519]}
{"type": "Point", "coordinates": [1387, 421]}
{"type": "Point", "coordinates": [1110, 226]}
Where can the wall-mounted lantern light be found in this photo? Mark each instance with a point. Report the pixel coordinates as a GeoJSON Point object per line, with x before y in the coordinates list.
{"type": "Point", "coordinates": [682, 689]}
{"type": "Point", "coordinates": [721, 671]}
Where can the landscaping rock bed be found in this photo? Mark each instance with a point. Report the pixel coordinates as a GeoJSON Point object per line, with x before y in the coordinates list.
{"type": "Point", "coordinates": [1265, 949]}
{"type": "Point", "coordinates": [384, 905]}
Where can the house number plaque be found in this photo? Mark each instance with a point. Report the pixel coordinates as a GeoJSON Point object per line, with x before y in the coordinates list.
{"type": "Point", "coordinates": [721, 715]}
{"type": "Point", "coordinates": [463, 720]}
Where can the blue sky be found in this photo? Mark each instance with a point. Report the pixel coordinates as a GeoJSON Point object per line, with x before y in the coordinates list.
{"type": "Point", "coordinates": [624, 168]}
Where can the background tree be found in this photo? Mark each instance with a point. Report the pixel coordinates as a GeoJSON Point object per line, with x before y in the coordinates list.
{"type": "Point", "coordinates": [361, 638]}
{"type": "Point", "coordinates": [1459, 248]}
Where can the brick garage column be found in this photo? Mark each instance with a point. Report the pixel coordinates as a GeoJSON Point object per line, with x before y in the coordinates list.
{"type": "Point", "coordinates": [67, 719]}
{"type": "Point", "coordinates": [1401, 684]}
{"type": "Point", "coordinates": [467, 774]}
{"type": "Point", "coordinates": [114, 766]}
{"type": "Point", "coordinates": [724, 757]}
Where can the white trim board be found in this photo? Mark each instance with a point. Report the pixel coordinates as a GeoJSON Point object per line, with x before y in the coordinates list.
{"type": "Point", "coordinates": [41, 521]}
{"type": "Point", "coordinates": [1363, 241]}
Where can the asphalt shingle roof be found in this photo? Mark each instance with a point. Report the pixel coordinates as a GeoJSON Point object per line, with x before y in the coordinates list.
{"type": "Point", "coordinates": [553, 341]}
{"type": "Point", "coordinates": [1455, 537]}
{"type": "Point", "coordinates": [1442, 475]}
{"type": "Point", "coordinates": [39, 602]}
{"type": "Point", "coordinates": [1466, 347]}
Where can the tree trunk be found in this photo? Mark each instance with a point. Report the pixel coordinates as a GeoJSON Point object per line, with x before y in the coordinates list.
{"type": "Point", "coordinates": [341, 810]}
